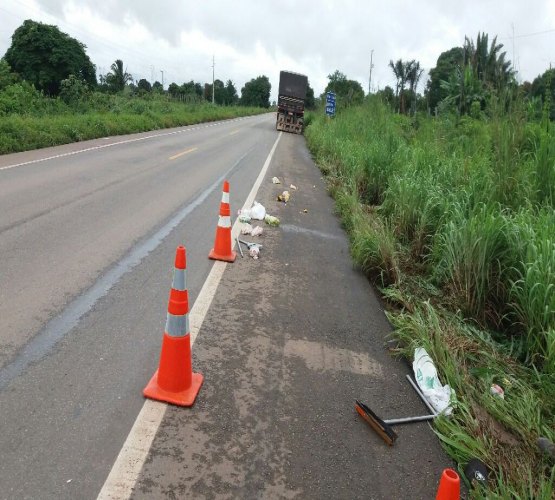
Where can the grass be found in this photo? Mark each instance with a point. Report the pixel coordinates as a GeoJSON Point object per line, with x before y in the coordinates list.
{"type": "Point", "coordinates": [38, 122]}
{"type": "Point", "coordinates": [453, 219]}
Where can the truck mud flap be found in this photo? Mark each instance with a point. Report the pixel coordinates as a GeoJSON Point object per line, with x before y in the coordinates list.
{"type": "Point", "coordinates": [287, 124]}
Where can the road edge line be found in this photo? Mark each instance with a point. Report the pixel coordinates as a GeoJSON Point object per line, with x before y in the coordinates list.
{"type": "Point", "coordinates": [126, 469]}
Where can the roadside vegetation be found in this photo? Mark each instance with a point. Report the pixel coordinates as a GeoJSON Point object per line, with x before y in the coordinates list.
{"type": "Point", "coordinates": [29, 120]}
{"type": "Point", "coordinates": [50, 95]}
{"type": "Point", "coordinates": [451, 212]}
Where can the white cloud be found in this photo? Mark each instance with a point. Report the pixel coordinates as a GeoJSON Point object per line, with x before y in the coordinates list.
{"type": "Point", "coordinates": [249, 38]}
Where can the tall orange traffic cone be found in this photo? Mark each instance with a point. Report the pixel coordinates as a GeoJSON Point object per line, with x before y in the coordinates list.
{"type": "Point", "coordinates": [449, 486]}
{"type": "Point", "coordinates": [174, 381]}
{"type": "Point", "coordinates": [222, 246]}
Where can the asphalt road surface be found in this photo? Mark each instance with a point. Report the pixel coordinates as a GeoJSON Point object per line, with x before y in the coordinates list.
{"type": "Point", "coordinates": [87, 237]}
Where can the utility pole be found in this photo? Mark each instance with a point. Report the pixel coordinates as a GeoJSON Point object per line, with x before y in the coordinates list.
{"type": "Point", "coordinates": [213, 64]}
{"type": "Point", "coordinates": [370, 78]}
{"type": "Point", "coordinates": [162, 71]}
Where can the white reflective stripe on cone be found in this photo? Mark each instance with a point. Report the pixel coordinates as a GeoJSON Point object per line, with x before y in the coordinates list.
{"type": "Point", "coordinates": [179, 279]}
{"type": "Point", "coordinates": [177, 326]}
{"type": "Point", "coordinates": [225, 221]}
{"type": "Point", "coordinates": [225, 197]}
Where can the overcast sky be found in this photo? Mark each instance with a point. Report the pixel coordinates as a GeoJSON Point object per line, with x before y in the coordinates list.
{"type": "Point", "coordinates": [249, 38]}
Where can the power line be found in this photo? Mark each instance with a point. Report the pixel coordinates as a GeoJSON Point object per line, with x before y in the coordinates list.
{"type": "Point", "coordinates": [527, 35]}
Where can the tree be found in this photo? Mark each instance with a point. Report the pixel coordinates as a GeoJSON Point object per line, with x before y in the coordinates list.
{"type": "Point", "coordinates": [413, 74]}
{"type": "Point", "coordinates": [543, 89]}
{"type": "Point", "coordinates": [465, 90]}
{"type": "Point", "coordinates": [346, 91]}
{"type": "Point", "coordinates": [157, 87]}
{"type": "Point", "coordinates": [191, 91]}
{"type": "Point", "coordinates": [192, 88]}
{"type": "Point", "coordinates": [118, 78]}
{"type": "Point", "coordinates": [387, 95]}
{"type": "Point", "coordinates": [310, 101]}
{"type": "Point", "coordinates": [406, 72]}
{"type": "Point", "coordinates": [220, 94]}
{"type": "Point", "coordinates": [485, 72]}
{"type": "Point", "coordinates": [488, 62]}
{"type": "Point", "coordinates": [44, 56]}
{"type": "Point", "coordinates": [144, 85]}
{"type": "Point", "coordinates": [7, 77]}
{"type": "Point", "coordinates": [231, 96]}
{"type": "Point", "coordinates": [256, 92]}
{"type": "Point", "coordinates": [73, 90]}
{"type": "Point", "coordinates": [447, 64]}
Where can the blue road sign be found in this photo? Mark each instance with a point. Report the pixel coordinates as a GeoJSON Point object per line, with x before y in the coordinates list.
{"type": "Point", "coordinates": [330, 103]}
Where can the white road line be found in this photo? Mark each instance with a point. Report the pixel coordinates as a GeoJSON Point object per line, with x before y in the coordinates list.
{"type": "Point", "coordinates": [118, 143]}
{"type": "Point", "coordinates": [126, 469]}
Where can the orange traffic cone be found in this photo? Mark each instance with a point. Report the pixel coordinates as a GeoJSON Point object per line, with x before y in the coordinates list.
{"type": "Point", "coordinates": [174, 381]}
{"type": "Point", "coordinates": [222, 246]}
{"type": "Point", "coordinates": [449, 486]}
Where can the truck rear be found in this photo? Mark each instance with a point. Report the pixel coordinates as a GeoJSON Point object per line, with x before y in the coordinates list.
{"type": "Point", "coordinates": [291, 97]}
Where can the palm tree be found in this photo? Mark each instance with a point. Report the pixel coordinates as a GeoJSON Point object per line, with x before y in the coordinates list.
{"type": "Point", "coordinates": [118, 78]}
{"type": "Point", "coordinates": [413, 74]}
{"type": "Point", "coordinates": [488, 62]}
{"type": "Point", "coordinates": [399, 69]}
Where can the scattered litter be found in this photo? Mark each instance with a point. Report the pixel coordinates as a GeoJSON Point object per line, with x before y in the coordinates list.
{"type": "Point", "coordinates": [426, 376]}
{"type": "Point", "coordinates": [68, 481]}
{"type": "Point", "coordinates": [246, 229]}
{"type": "Point", "coordinates": [258, 211]}
{"type": "Point", "coordinates": [476, 472]}
{"type": "Point", "coordinates": [293, 187]}
{"type": "Point", "coordinates": [244, 215]}
{"type": "Point", "coordinates": [271, 220]}
{"type": "Point", "coordinates": [305, 211]}
{"type": "Point", "coordinates": [284, 197]}
{"type": "Point", "coordinates": [275, 180]}
{"type": "Point", "coordinates": [254, 252]}
{"type": "Point", "coordinates": [254, 231]}
{"type": "Point", "coordinates": [254, 248]}
{"type": "Point", "coordinates": [497, 391]}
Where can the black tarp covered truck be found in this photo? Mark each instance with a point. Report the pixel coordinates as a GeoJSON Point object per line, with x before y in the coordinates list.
{"type": "Point", "coordinates": [291, 97]}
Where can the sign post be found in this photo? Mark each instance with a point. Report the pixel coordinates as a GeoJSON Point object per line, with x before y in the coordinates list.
{"type": "Point", "coordinates": [330, 103]}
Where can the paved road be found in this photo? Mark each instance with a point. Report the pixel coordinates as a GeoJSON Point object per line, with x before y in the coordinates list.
{"type": "Point", "coordinates": [83, 287]}
{"type": "Point", "coordinates": [289, 341]}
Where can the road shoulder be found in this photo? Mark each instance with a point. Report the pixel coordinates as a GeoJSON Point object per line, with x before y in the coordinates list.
{"type": "Point", "coordinates": [289, 342]}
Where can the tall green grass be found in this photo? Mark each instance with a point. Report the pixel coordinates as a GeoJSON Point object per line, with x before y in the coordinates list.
{"type": "Point", "coordinates": [30, 121]}
{"type": "Point", "coordinates": [454, 219]}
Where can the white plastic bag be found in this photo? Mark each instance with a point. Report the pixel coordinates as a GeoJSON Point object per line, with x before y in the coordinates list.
{"type": "Point", "coordinates": [426, 377]}
{"type": "Point", "coordinates": [244, 215]}
{"type": "Point", "coordinates": [258, 211]}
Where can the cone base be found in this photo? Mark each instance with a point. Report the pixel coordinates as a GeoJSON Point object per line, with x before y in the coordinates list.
{"type": "Point", "coordinates": [181, 398]}
{"type": "Point", "coordinates": [226, 258]}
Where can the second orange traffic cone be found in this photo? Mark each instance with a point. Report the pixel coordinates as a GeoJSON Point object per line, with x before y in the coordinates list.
{"type": "Point", "coordinates": [174, 381]}
{"type": "Point", "coordinates": [222, 246]}
{"type": "Point", "coordinates": [449, 486]}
